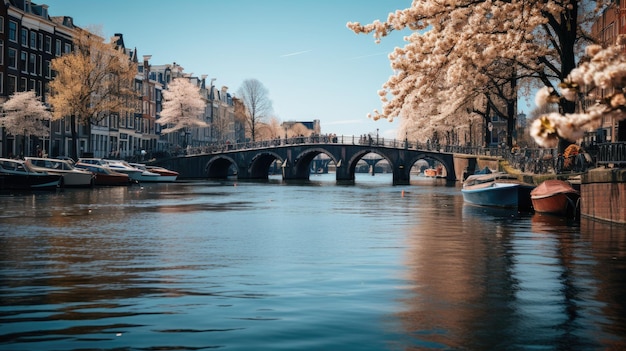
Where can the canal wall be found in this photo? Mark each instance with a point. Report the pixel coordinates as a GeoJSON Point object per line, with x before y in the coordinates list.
{"type": "Point", "coordinates": [603, 194]}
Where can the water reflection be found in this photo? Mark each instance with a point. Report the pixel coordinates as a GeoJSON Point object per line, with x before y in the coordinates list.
{"type": "Point", "coordinates": [310, 266]}
{"type": "Point", "coordinates": [463, 288]}
{"type": "Point", "coordinates": [606, 253]}
{"type": "Point", "coordinates": [489, 282]}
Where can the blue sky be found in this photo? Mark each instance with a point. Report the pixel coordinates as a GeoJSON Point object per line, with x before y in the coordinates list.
{"type": "Point", "coordinates": [302, 52]}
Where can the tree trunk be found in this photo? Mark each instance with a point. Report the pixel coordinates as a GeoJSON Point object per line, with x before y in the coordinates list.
{"type": "Point", "coordinates": [252, 130]}
{"type": "Point", "coordinates": [510, 123]}
{"type": "Point", "coordinates": [88, 127]}
{"type": "Point", "coordinates": [567, 37]}
{"type": "Point", "coordinates": [511, 111]}
{"type": "Point", "coordinates": [74, 148]}
{"type": "Point", "coordinates": [487, 123]}
{"type": "Point", "coordinates": [24, 150]}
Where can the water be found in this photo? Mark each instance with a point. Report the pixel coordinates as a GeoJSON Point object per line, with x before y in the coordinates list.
{"type": "Point", "coordinates": [314, 266]}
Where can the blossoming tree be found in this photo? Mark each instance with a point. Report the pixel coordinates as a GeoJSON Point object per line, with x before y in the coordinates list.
{"type": "Point", "coordinates": [183, 107]}
{"type": "Point", "coordinates": [270, 130]}
{"type": "Point", "coordinates": [25, 114]}
{"type": "Point", "coordinates": [600, 70]}
{"type": "Point", "coordinates": [92, 82]}
{"type": "Point", "coordinates": [464, 51]}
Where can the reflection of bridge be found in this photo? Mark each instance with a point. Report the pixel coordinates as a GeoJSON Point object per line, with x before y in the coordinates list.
{"type": "Point", "coordinates": [252, 161]}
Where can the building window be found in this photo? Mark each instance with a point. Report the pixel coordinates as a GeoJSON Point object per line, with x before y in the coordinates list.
{"type": "Point", "coordinates": [33, 40]}
{"type": "Point", "coordinates": [23, 84]}
{"type": "Point", "coordinates": [24, 37]}
{"type": "Point", "coordinates": [12, 85]}
{"type": "Point", "coordinates": [46, 68]}
{"type": "Point", "coordinates": [40, 67]}
{"type": "Point", "coordinates": [1, 82]}
{"type": "Point", "coordinates": [23, 61]}
{"type": "Point", "coordinates": [40, 42]}
{"type": "Point", "coordinates": [13, 31]}
{"type": "Point", "coordinates": [45, 92]}
{"type": "Point", "coordinates": [1, 24]}
{"type": "Point", "coordinates": [32, 64]}
{"type": "Point", "coordinates": [31, 85]}
{"type": "Point", "coordinates": [48, 45]}
{"type": "Point", "coordinates": [1, 50]}
{"type": "Point", "coordinates": [12, 58]}
{"type": "Point", "coordinates": [68, 48]}
{"type": "Point", "coordinates": [57, 49]}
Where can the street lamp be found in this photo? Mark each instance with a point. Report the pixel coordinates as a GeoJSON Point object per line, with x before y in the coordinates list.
{"type": "Point", "coordinates": [376, 136]}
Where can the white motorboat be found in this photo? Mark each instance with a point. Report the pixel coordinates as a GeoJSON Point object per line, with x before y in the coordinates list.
{"type": "Point", "coordinates": [122, 166]}
{"type": "Point", "coordinates": [165, 175]}
{"type": "Point", "coordinates": [70, 176]}
{"type": "Point", "coordinates": [135, 173]}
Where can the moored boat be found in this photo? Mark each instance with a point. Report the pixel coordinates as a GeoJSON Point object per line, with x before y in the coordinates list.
{"type": "Point", "coordinates": [497, 189]}
{"type": "Point", "coordinates": [163, 174]}
{"type": "Point", "coordinates": [70, 176]}
{"type": "Point", "coordinates": [134, 173]}
{"type": "Point", "coordinates": [103, 175]}
{"type": "Point", "coordinates": [17, 175]}
{"type": "Point", "coordinates": [430, 172]}
{"type": "Point", "coordinates": [119, 166]}
{"type": "Point", "coordinates": [163, 171]}
{"type": "Point", "coordinates": [556, 197]}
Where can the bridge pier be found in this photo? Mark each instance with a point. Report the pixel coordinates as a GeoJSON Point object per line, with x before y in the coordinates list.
{"type": "Point", "coordinates": [344, 175]}
{"type": "Point", "coordinates": [401, 175]}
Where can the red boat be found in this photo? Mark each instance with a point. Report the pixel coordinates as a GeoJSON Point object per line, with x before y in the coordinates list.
{"type": "Point", "coordinates": [556, 197]}
{"type": "Point", "coordinates": [104, 175]}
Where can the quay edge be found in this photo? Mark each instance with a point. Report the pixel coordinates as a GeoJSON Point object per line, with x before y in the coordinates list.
{"type": "Point", "coordinates": [602, 190]}
{"type": "Point", "coordinates": [603, 194]}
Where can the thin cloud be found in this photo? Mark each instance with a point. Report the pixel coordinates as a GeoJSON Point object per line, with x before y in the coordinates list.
{"type": "Point", "coordinates": [296, 53]}
{"type": "Point", "coordinates": [366, 56]}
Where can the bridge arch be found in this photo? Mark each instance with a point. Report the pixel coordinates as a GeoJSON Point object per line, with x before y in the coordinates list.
{"type": "Point", "coordinates": [432, 156]}
{"type": "Point", "coordinates": [357, 156]}
{"type": "Point", "coordinates": [302, 162]}
{"type": "Point", "coordinates": [218, 167]}
{"type": "Point", "coordinates": [259, 165]}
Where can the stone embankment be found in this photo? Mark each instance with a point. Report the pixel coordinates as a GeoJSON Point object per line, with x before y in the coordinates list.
{"type": "Point", "coordinates": [603, 194]}
{"type": "Point", "coordinates": [602, 190]}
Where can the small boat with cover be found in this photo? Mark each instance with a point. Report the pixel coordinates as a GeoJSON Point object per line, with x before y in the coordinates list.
{"type": "Point", "coordinates": [556, 197]}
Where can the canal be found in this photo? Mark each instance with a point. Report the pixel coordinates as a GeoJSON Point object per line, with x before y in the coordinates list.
{"type": "Point", "coordinates": [309, 266]}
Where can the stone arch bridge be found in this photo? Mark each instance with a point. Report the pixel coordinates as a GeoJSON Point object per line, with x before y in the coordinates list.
{"type": "Point", "coordinates": [253, 163]}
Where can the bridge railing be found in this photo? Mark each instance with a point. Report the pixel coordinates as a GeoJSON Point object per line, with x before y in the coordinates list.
{"type": "Point", "coordinates": [347, 140]}
{"type": "Point", "coordinates": [315, 139]}
{"type": "Point", "coordinates": [533, 160]}
{"type": "Point", "coordinates": [336, 139]}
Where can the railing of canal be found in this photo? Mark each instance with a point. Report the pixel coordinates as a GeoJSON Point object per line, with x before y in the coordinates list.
{"type": "Point", "coordinates": [611, 154]}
